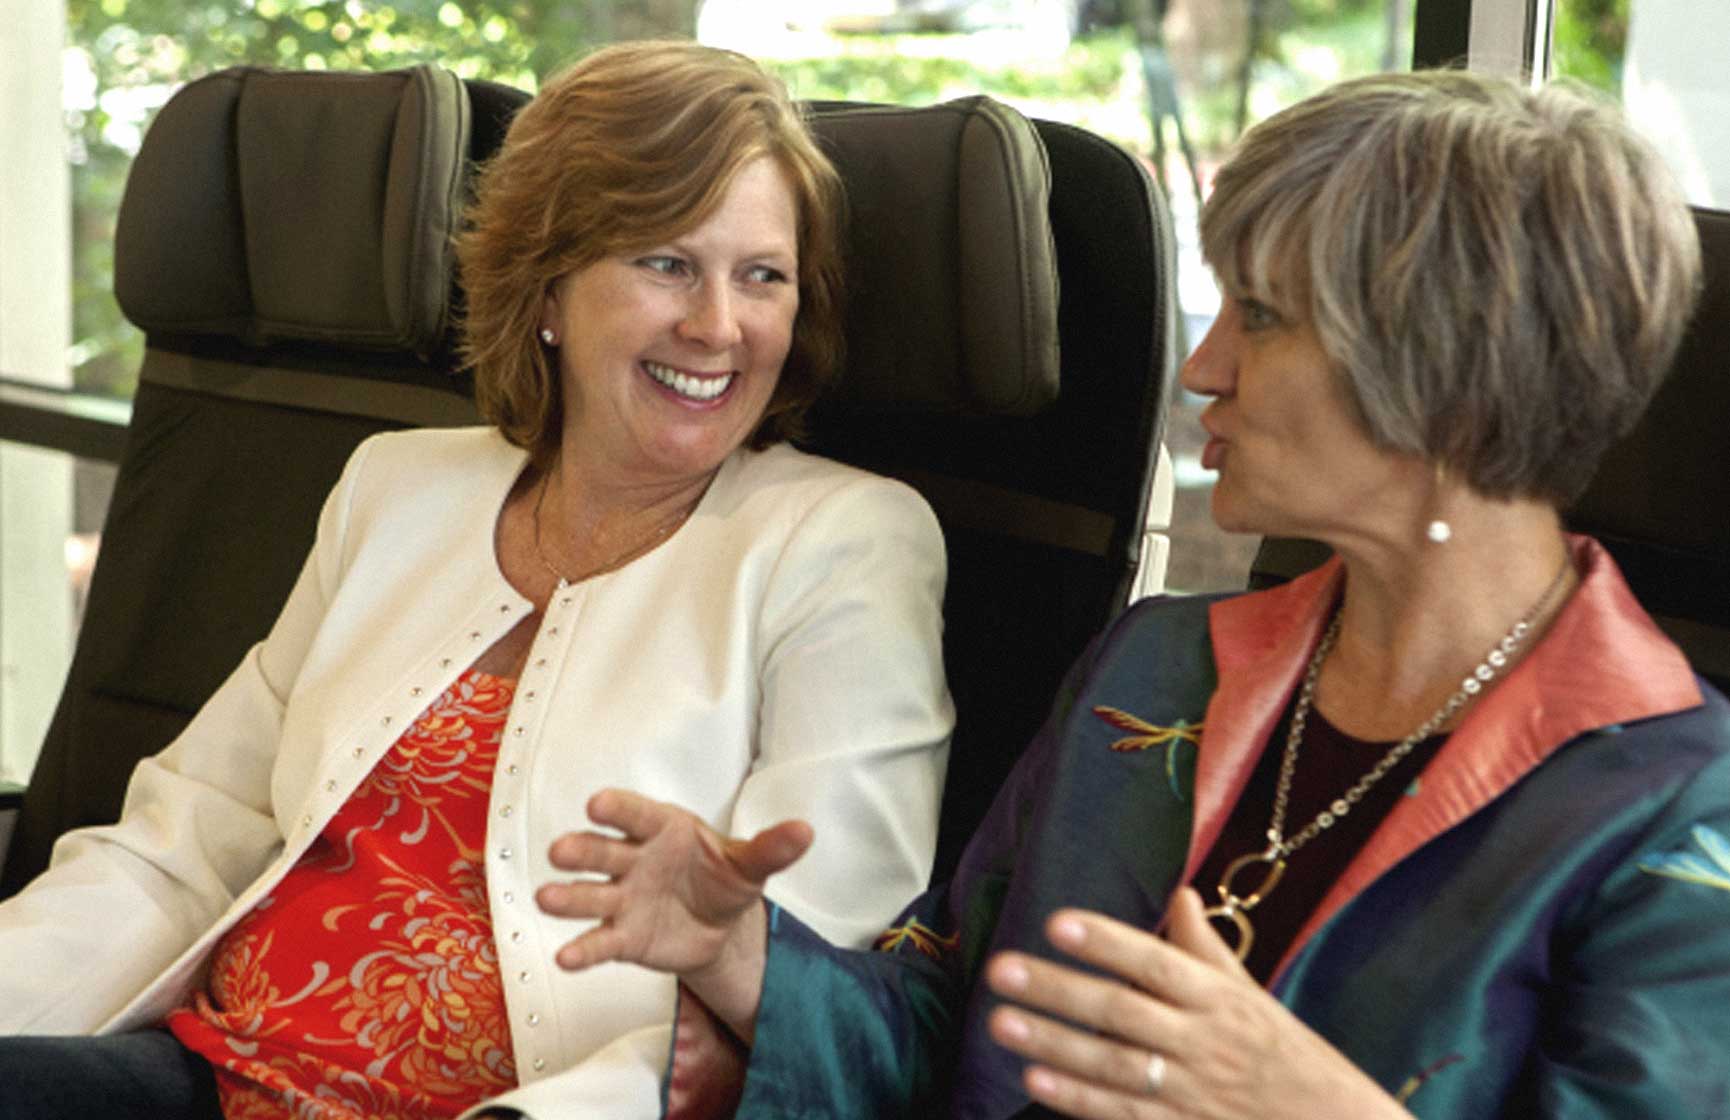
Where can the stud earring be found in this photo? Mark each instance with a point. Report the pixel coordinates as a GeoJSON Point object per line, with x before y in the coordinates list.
{"type": "Point", "coordinates": [1438, 530]}
{"type": "Point", "coordinates": [548, 337]}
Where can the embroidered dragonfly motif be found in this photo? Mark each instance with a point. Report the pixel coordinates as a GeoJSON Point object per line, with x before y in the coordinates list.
{"type": "Point", "coordinates": [1145, 736]}
{"type": "Point", "coordinates": [1710, 870]}
{"type": "Point", "coordinates": [922, 937]}
{"type": "Point", "coordinates": [1416, 1081]}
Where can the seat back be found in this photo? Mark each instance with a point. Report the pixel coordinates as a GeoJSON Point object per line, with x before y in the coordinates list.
{"type": "Point", "coordinates": [1659, 499]}
{"type": "Point", "coordinates": [283, 243]}
{"type": "Point", "coordinates": [1042, 505]}
{"type": "Point", "coordinates": [1010, 336]}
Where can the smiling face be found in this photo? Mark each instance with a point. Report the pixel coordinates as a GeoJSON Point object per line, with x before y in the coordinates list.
{"type": "Point", "coordinates": [1293, 457]}
{"type": "Point", "coordinates": [668, 356]}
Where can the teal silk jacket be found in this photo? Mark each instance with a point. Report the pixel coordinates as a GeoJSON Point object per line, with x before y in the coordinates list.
{"type": "Point", "coordinates": [1540, 928]}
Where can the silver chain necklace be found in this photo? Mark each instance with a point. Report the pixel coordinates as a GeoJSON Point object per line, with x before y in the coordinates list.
{"type": "Point", "coordinates": [1233, 907]}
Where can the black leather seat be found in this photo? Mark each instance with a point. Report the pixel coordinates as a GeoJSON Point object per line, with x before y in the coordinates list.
{"type": "Point", "coordinates": [284, 244]}
{"type": "Point", "coordinates": [1660, 501]}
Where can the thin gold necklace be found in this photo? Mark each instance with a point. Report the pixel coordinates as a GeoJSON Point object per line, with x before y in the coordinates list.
{"type": "Point", "coordinates": [1233, 907]}
{"type": "Point", "coordinates": [619, 561]}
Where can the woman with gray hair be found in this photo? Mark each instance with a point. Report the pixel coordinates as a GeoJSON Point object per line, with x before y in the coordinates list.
{"type": "Point", "coordinates": [1441, 826]}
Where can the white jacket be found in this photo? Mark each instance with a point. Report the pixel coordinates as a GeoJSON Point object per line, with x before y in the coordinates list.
{"type": "Point", "coordinates": [779, 656]}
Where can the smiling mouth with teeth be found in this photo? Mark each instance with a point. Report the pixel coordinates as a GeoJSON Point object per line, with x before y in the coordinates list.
{"type": "Point", "coordinates": [686, 386]}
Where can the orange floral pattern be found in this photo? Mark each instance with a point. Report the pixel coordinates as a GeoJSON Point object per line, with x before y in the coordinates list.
{"type": "Point", "coordinates": [366, 985]}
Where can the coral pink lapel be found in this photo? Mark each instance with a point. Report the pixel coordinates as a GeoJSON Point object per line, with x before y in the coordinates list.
{"type": "Point", "coordinates": [1261, 646]}
{"type": "Point", "coordinates": [1576, 679]}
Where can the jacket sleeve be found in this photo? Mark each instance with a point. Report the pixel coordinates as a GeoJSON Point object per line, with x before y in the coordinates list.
{"type": "Point", "coordinates": [1643, 1008]}
{"type": "Point", "coordinates": [874, 1034]}
{"type": "Point", "coordinates": [118, 903]}
{"type": "Point", "coordinates": [854, 717]}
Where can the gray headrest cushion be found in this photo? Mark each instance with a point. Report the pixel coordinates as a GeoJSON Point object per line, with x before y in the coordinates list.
{"type": "Point", "coordinates": [298, 206]}
{"type": "Point", "coordinates": [951, 271]}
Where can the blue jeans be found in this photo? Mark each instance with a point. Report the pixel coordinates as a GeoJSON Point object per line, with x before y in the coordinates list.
{"type": "Point", "coordinates": [144, 1075]}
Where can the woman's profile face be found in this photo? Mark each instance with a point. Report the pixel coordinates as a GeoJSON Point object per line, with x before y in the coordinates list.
{"type": "Point", "coordinates": [669, 355]}
{"type": "Point", "coordinates": [1293, 457]}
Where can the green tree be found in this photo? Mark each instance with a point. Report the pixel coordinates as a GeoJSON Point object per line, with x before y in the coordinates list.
{"type": "Point", "coordinates": [1591, 41]}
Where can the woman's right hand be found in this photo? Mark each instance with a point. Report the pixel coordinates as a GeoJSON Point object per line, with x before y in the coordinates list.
{"type": "Point", "coordinates": [675, 895]}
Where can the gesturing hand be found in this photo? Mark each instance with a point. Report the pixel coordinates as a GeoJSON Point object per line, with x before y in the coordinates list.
{"type": "Point", "coordinates": [676, 896]}
{"type": "Point", "coordinates": [1176, 1028]}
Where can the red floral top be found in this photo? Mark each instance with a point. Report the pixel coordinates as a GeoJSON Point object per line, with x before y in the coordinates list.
{"type": "Point", "coordinates": [366, 984]}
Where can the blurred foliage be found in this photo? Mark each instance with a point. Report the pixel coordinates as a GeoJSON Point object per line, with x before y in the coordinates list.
{"type": "Point", "coordinates": [1591, 40]}
{"type": "Point", "coordinates": [127, 56]}
{"type": "Point", "coordinates": [882, 69]}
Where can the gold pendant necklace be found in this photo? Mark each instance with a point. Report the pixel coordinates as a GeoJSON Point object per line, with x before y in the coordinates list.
{"type": "Point", "coordinates": [618, 561]}
{"type": "Point", "coordinates": [1234, 908]}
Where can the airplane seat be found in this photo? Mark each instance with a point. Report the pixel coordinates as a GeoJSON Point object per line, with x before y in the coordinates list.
{"type": "Point", "coordinates": [284, 242]}
{"type": "Point", "coordinates": [1659, 498]}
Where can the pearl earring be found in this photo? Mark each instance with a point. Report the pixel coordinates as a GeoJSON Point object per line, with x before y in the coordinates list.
{"type": "Point", "coordinates": [1439, 530]}
{"type": "Point", "coordinates": [548, 337]}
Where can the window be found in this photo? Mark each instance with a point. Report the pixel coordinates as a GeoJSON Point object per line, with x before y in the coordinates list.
{"type": "Point", "coordinates": [1664, 60]}
{"type": "Point", "coordinates": [1173, 80]}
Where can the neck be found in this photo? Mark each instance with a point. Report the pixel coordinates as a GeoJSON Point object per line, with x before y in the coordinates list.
{"type": "Point", "coordinates": [1418, 616]}
{"type": "Point", "coordinates": [585, 527]}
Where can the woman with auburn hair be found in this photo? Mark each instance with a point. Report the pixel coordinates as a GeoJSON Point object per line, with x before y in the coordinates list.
{"type": "Point", "coordinates": [323, 894]}
{"type": "Point", "coordinates": [1440, 828]}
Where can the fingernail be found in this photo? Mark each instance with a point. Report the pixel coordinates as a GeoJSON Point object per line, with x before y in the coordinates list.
{"type": "Point", "coordinates": [1013, 1027]}
{"type": "Point", "coordinates": [1041, 1081]}
{"type": "Point", "coordinates": [1012, 976]}
{"type": "Point", "coordinates": [1069, 931]}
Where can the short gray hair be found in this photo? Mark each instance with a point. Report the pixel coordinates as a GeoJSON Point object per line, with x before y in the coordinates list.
{"type": "Point", "coordinates": [1500, 274]}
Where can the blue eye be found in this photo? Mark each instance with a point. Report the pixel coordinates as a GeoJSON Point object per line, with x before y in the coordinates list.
{"type": "Point", "coordinates": [763, 274]}
{"type": "Point", "coordinates": [666, 266]}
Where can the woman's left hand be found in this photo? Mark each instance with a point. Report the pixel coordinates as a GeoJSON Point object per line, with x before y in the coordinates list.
{"type": "Point", "coordinates": [1178, 1028]}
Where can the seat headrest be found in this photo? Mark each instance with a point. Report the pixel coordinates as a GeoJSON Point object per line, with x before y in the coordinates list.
{"type": "Point", "coordinates": [274, 206]}
{"type": "Point", "coordinates": [951, 270]}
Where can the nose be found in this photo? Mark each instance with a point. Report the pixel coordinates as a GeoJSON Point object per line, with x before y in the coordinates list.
{"type": "Point", "coordinates": [710, 318]}
{"type": "Point", "coordinates": [1211, 368]}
